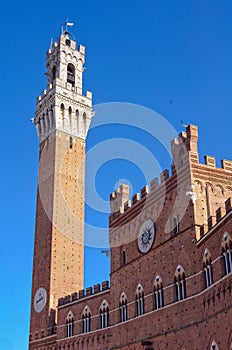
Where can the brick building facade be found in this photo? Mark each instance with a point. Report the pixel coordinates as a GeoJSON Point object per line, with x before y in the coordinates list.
{"type": "Point", "coordinates": [171, 244]}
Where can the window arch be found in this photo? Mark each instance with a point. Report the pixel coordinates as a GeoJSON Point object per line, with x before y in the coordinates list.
{"type": "Point", "coordinates": [214, 346]}
{"type": "Point", "coordinates": [175, 225]}
{"type": "Point", "coordinates": [86, 320]}
{"type": "Point", "coordinates": [77, 119]}
{"type": "Point", "coordinates": [71, 74]}
{"type": "Point", "coordinates": [70, 112]}
{"type": "Point", "coordinates": [180, 284]}
{"type": "Point", "coordinates": [62, 112]}
{"type": "Point", "coordinates": [69, 325]}
{"type": "Point", "coordinates": [207, 262]}
{"type": "Point", "coordinates": [104, 314]}
{"type": "Point", "coordinates": [70, 116]}
{"type": "Point", "coordinates": [124, 257]}
{"type": "Point", "coordinates": [47, 119]}
{"type": "Point", "coordinates": [123, 307]}
{"type": "Point", "coordinates": [139, 300]}
{"type": "Point", "coordinates": [53, 73]}
{"type": "Point", "coordinates": [158, 293]}
{"type": "Point", "coordinates": [227, 253]}
{"type": "Point", "coordinates": [84, 122]}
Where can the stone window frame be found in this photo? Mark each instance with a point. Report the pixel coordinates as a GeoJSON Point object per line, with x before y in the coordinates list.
{"type": "Point", "coordinates": [180, 284]}
{"type": "Point", "coordinates": [69, 325]}
{"type": "Point", "coordinates": [158, 293]}
{"type": "Point", "coordinates": [227, 252]}
{"type": "Point", "coordinates": [139, 298]}
{"type": "Point", "coordinates": [208, 268]}
{"type": "Point", "coordinates": [104, 314]}
{"type": "Point", "coordinates": [86, 320]}
{"type": "Point", "coordinates": [123, 307]}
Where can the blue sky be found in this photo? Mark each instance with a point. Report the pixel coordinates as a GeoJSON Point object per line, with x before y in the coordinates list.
{"type": "Point", "coordinates": [174, 57]}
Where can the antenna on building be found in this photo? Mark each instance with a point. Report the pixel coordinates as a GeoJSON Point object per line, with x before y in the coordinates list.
{"type": "Point", "coordinates": [65, 25]}
{"type": "Point", "coordinates": [51, 43]}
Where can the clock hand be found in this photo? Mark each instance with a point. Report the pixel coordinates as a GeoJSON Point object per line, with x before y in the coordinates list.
{"type": "Point", "coordinates": [39, 300]}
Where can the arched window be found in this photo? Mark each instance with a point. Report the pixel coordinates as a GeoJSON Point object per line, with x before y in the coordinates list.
{"type": "Point", "coordinates": [175, 225]}
{"type": "Point", "coordinates": [124, 257]}
{"type": "Point", "coordinates": [123, 307]}
{"type": "Point", "coordinates": [47, 119]}
{"type": "Point", "coordinates": [104, 314]}
{"type": "Point", "coordinates": [70, 112]}
{"type": "Point", "coordinates": [158, 293]}
{"type": "Point", "coordinates": [69, 325]}
{"type": "Point", "coordinates": [53, 73]}
{"type": "Point", "coordinates": [70, 142]}
{"type": "Point", "coordinates": [71, 74]}
{"type": "Point", "coordinates": [84, 122]}
{"type": "Point", "coordinates": [227, 253]}
{"type": "Point", "coordinates": [139, 300]}
{"type": "Point", "coordinates": [207, 262]}
{"type": "Point", "coordinates": [180, 284]}
{"type": "Point", "coordinates": [77, 119]}
{"type": "Point", "coordinates": [70, 116]}
{"type": "Point", "coordinates": [62, 112]}
{"type": "Point", "coordinates": [214, 346]}
{"type": "Point", "coordinates": [86, 320]}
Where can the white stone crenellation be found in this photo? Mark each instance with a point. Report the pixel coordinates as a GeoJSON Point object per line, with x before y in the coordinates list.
{"type": "Point", "coordinates": [62, 105]}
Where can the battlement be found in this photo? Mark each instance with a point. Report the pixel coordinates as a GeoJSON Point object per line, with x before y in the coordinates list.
{"type": "Point", "coordinates": [84, 293]}
{"type": "Point", "coordinates": [185, 157]}
{"type": "Point", "coordinates": [213, 220]}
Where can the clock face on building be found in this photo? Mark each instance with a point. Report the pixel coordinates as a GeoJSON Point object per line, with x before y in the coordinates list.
{"type": "Point", "coordinates": [40, 299]}
{"type": "Point", "coordinates": [146, 236]}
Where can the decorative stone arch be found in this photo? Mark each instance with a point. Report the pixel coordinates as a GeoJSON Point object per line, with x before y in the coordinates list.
{"type": "Point", "coordinates": [104, 305]}
{"type": "Point", "coordinates": [158, 299]}
{"type": "Point", "coordinates": [86, 311]}
{"type": "Point", "coordinates": [209, 185]}
{"type": "Point", "coordinates": [179, 273]}
{"type": "Point", "coordinates": [104, 314]}
{"type": "Point", "coordinates": [180, 284]}
{"type": "Point", "coordinates": [69, 324]}
{"type": "Point", "coordinates": [139, 298]}
{"type": "Point", "coordinates": [69, 315]}
{"type": "Point", "coordinates": [86, 319]}
{"type": "Point", "coordinates": [219, 189]}
{"type": "Point", "coordinates": [123, 307]}
{"type": "Point", "coordinates": [206, 257]}
{"type": "Point", "coordinates": [226, 241]}
{"type": "Point", "coordinates": [199, 185]}
{"type": "Point", "coordinates": [227, 252]}
{"type": "Point", "coordinates": [123, 298]}
{"type": "Point", "coordinates": [214, 346]}
{"type": "Point", "coordinates": [139, 290]}
{"type": "Point", "coordinates": [158, 283]}
{"type": "Point", "coordinates": [208, 268]}
{"type": "Point", "coordinates": [80, 65]}
{"type": "Point", "coordinates": [62, 111]}
{"type": "Point", "coordinates": [228, 191]}
{"type": "Point", "coordinates": [84, 115]}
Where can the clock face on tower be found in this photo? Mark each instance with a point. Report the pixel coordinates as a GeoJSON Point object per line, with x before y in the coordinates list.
{"type": "Point", "coordinates": [146, 236]}
{"type": "Point", "coordinates": [40, 299]}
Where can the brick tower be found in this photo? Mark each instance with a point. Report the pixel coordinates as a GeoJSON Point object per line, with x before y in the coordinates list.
{"type": "Point", "coordinates": [63, 116]}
